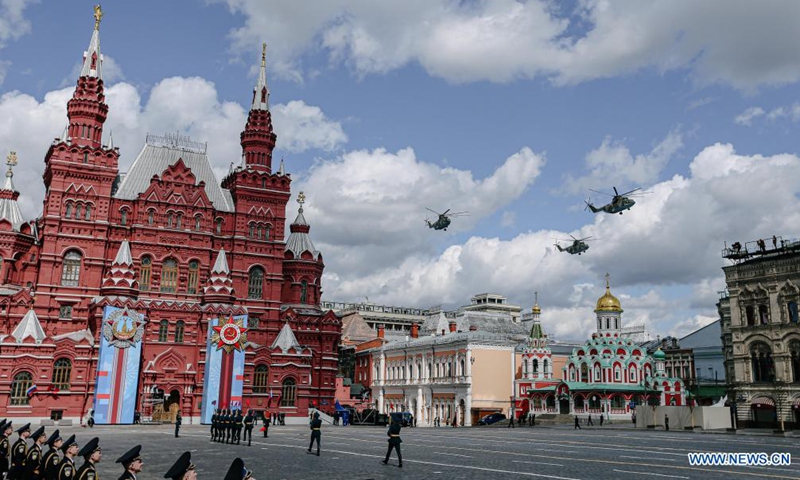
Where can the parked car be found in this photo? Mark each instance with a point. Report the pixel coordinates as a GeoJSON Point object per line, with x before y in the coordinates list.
{"type": "Point", "coordinates": [491, 418]}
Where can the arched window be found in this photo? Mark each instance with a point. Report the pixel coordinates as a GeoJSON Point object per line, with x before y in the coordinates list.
{"type": "Point", "coordinates": [194, 277]}
{"type": "Point", "coordinates": [19, 388]}
{"type": "Point", "coordinates": [170, 219]}
{"type": "Point", "coordinates": [525, 367]}
{"type": "Point", "coordinates": [535, 366]}
{"type": "Point", "coordinates": [252, 230]}
{"type": "Point", "coordinates": [151, 217]}
{"type": "Point", "coordinates": [123, 217]}
{"type": "Point", "coordinates": [303, 291]}
{"type": "Point", "coordinates": [762, 363]}
{"type": "Point", "coordinates": [219, 226]}
{"type": "Point", "coordinates": [145, 273]}
{"type": "Point", "coordinates": [78, 211]}
{"type": "Point", "coordinates": [169, 276]}
{"type": "Point", "coordinates": [88, 213]}
{"type": "Point", "coordinates": [763, 314]}
{"type": "Point", "coordinates": [69, 210]}
{"type": "Point", "coordinates": [794, 352]}
{"type": "Point", "coordinates": [750, 313]}
{"type": "Point", "coordinates": [258, 232]}
{"type": "Point", "coordinates": [255, 283]}
{"type": "Point", "coordinates": [545, 370]}
{"type": "Point", "coordinates": [180, 221]}
{"type": "Point", "coordinates": [179, 327]}
{"type": "Point", "coordinates": [267, 229]}
{"type": "Point", "coordinates": [584, 373]}
{"type": "Point", "coordinates": [792, 308]}
{"type": "Point", "coordinates": [197, 223]}
{"type": "Point", "coordinates": [62, 371]}
{"type": "Point", "coordinates": [289, 393]}
{"type": "Point", "coordinates": [261, 379]}
{"type": "Point", "coordinates": [71, 269]}
{"type": "Point", "coordinates": [163, 330]}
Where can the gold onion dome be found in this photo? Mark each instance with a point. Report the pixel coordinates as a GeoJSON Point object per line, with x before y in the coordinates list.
{"type": "Point", "coordinates": [536, 310]}
{"type": "Point", "coordinates": [608, 302]}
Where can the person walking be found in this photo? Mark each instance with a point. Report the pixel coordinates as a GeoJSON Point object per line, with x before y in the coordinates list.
{"type": "Point", "coordinates": [316, 433]}
{"type": "Point", "coordinates": [394, 443]}
{"type": "Point", "coordinates": [66, 468]}
{"type": "Point", "coordinates": [577, 426]}
{"type": "Point", "coordinates": [33, 461]}
{"type": "Point", "coordinates": [249, 421]}
{"type": "Point", "coordinates": [511, 421]}
{"type": "Point", "coordinates": [178, 421]}
{"type": "Point", "coordinates": [533, 420]}
{"type": "Point", "coordinates": [19, 452]}
{"type": "Point", "coordinates": [666, 422]}
{"type": "Point", "coordinates": [265, 428]}
{"type": "Point", "coordinates": [601, 419]}
{"type": "Point", "coordinates": [589, 422]}
{"type": "Point", "coordinates": [51, 459]}
{"type": "Point", "coordinates": [237, 426]}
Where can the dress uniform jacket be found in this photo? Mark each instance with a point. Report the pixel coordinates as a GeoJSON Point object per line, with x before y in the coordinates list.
{"type": "Point", "coordinates": [87, 472]}
{"type": "Point", "coordinates": [127, 476]}
{"type": "Point", "coordinates": [394, 434]}
{"type": "Point", "coordinates": [66, 469]}
{"type": "Point", "coordinates": [50, 464]}
{"type": "Point", "coordinates": [18, 454]}
{"type": "Point", "coordinates": [5, 448]}
{"type": "Point", "coordinates": [33, 463]}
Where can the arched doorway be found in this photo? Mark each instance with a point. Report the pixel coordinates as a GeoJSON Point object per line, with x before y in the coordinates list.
{"type": "Point", "coordinates": [763, 412]}
{"type": "Point", "coordinates": [462, 408]}
{"type": "Point", "coordinates": [172, 405]}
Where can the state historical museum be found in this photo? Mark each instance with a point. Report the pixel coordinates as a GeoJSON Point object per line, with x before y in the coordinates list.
{"type": "Point", "coordinates": [160, 290]}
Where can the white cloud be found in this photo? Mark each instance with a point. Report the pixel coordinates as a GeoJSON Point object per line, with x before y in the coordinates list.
{"type": "Point", "coordinates": [716, 41]}
{"type": "Point", "coordinates": [746, 117]}
{"type": "Point", "coordinates": [13, 25]}
{"type": "Point", "coordinates": [188, 105]}
{"type": "Point", "coordinates": [305, 127]}
{"type": "Point", "coordinates": [613, 164]}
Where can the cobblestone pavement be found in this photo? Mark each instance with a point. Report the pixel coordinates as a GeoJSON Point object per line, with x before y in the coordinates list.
{"type": "Point", "coordinates": [430, 453]}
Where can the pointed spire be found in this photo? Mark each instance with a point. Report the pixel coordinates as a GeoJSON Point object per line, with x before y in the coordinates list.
{"type": "Point", "coordinates": [111, 140]}
{"type": "Point", "coordinates": [281, 171]}
{"type": "Point", "coordinates": [261, 91]}
{"type": "Point", "coordinates": [9, 208]}
{"type": "Point", "coordinates": [29, 327]}
{"type": "Point", "coordinates": [92, 59]}
{"type": "Point", "coordinates": [299, 241]}
{"type": "Point", "coordinates": [286, 339]}
{"type": "Point", "coordinates": [11, 161]}
{"type": "Point", "coordinates": [221, 265]}
{"type": "Point", "coordinates": [65, 134]}
{"type": "Point", "coordinates": [124, 254]}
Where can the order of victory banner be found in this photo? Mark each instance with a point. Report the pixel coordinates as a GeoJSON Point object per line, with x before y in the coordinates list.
{"type": "Point", "coordinates": [118, 366]}
{"type": "Point", "coordinates": [224, 372]}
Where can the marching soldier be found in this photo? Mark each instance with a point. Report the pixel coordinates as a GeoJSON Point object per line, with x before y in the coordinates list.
{"type": "Point", "coordinates": [238, 472]}
{"type": "Point", "coordinates": [91, 454]}
{"type": "Point", "coordinates": [228, 426]}
{"type": "Point", "coordinates": [249, 421]}
{"type": "Point", "coordinates": [394, 443]}
{"type": "Point", "coordinates": [51, 458]}
{"type": "Point", "coordinates": [214, 425]}
{"type": "Point", "coordinates": [316, 433]}
{"type": "Point", "coordinates": [237, 426]}
{"type": "Point", "coordinates": [183, 469]}
{"type": "Point", "coordinates": [66, 469]}
{"type": "Point", "coordinates": [33, 460]}
{"type": "Point", "coordinates": [5, 446]}
{"type": "Point", "coordinates": [132, 462]}
{"type": "Point", "coordinates": [19, 452]}
{"type": "Point", "coordinates": [267, 421]}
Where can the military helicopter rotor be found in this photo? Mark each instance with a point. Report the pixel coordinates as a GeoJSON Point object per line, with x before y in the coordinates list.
{"type": "Point", "coordinates": [444, 219]}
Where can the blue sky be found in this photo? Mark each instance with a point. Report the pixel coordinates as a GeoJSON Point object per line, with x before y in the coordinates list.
{"type": "Point", "coordinates": [511, 110]}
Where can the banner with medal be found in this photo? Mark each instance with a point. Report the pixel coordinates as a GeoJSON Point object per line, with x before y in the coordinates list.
{"type": "Point", "coordinates": [223, 380]}
{"type": "Point", "coordinates": [118, 366]}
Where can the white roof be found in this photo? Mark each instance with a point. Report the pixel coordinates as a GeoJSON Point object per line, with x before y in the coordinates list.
{"type": "Point", "coordinates": [29, 327]}
{"type": "Point", "coordinates": [286, 339]}
{"type": "Point", "coordinates": [94, 48]}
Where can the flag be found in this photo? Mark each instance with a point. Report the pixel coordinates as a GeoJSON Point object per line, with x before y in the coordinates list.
{"type": "Point", "coordinates": [30, 391]}
{"type": "Point", "coordinates": [54, 390]}
{"type": "Point", "coordinates": [214, 402]}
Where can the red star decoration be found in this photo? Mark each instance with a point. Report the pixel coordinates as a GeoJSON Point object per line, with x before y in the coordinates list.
{"type": "Point", "coordinates": [238, 325]}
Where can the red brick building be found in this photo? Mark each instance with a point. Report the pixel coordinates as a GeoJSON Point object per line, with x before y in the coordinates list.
{"type": "Point", "coordinates": [171, 242]}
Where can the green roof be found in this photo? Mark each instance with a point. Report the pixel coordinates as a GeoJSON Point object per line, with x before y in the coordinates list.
{"type": "Point", "coordinates": [536, 330]}
{"type": "Point", "coordinates": [593, 387]}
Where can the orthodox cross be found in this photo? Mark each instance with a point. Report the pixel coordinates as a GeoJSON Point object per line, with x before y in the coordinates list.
{"type": "Point", "coordinates": [301, 199]}
{"type": "Point", "coordinates": [98, 16]}
{"type": "Point", "coordinates": [264, 54]}
{"type": "Point", "coordinates": [11, 161]}
{"type": "Point", "coordinates": [607, 277]}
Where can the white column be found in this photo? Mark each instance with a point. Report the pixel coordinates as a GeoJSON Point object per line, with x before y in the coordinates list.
{"type": "Point", "coordinates": [468, 365]}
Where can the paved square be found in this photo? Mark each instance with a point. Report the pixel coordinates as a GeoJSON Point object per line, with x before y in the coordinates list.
{"type": "Point", "coordinates": [430, 453]}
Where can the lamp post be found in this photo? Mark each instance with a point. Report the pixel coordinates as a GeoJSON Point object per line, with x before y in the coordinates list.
{"type": "Point", "coordinates": [778, 387]}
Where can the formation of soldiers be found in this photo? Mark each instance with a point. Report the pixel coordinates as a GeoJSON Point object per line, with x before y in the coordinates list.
{"type": "Point", "coordinates": [227, 425]}
{"type": "Point", "coordinates": [32, 463]}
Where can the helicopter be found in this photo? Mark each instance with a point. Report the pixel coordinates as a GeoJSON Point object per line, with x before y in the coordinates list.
{"type": "Point", "coordinates": [444, 219]}
{"type": "Point", "coordinates": [619, 202]}
{"type": "Point", "coordinates": [578, 246]}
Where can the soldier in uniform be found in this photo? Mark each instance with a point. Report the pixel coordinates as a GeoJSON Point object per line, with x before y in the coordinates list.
{"type": "Point", "coordinates": [228, 426]}
{"type": "Point", "coordinates": [33, 460]}
{"type": "Point", "coordinates": [214, 425]}
{"type": "Point", "coordinates": [91, 454]}
{"type": "Point", "coordinates": [237, 426]}
{"type": "Point", "coordinates": [66, 469]}
{"type": "Point", "coordinates": [132, 462]}
{"type": "Point", "coordinates": [316, 432]}
{"type": "Point", "coordinates": [183, 469]}
{"type": "Point", "coordinates": [178, 421]}
{"type": "Point", "coordinates": [249, 421]}
{"type": "Point", "coordinates": [394, 442]}
{"type": "Point", "coordinates": [19, 452]}
{"type": "Point", "coordinates": [51, 458]}
{"type": "Point", "coordinates": [265, 428]}
{"type": "Point", "coordinates": [238, 472]}
{"type": "Point", "coordinates": [5, 446]}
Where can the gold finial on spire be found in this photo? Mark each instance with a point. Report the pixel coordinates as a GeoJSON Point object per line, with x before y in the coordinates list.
{"type": "Point", "coordinates": [264, 54]}
{"type": "Point", "coordinates": [98, 16]}
{"type": "Point", "coordinates": [608, 285]}
{"type": "Point", "coordinates": [11, 161]}
{"type": "Point", "coordinates": [301, 198]}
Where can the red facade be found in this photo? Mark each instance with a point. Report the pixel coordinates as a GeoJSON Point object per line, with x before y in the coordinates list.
{"type": "Point", "coordinates": [59, 268]}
